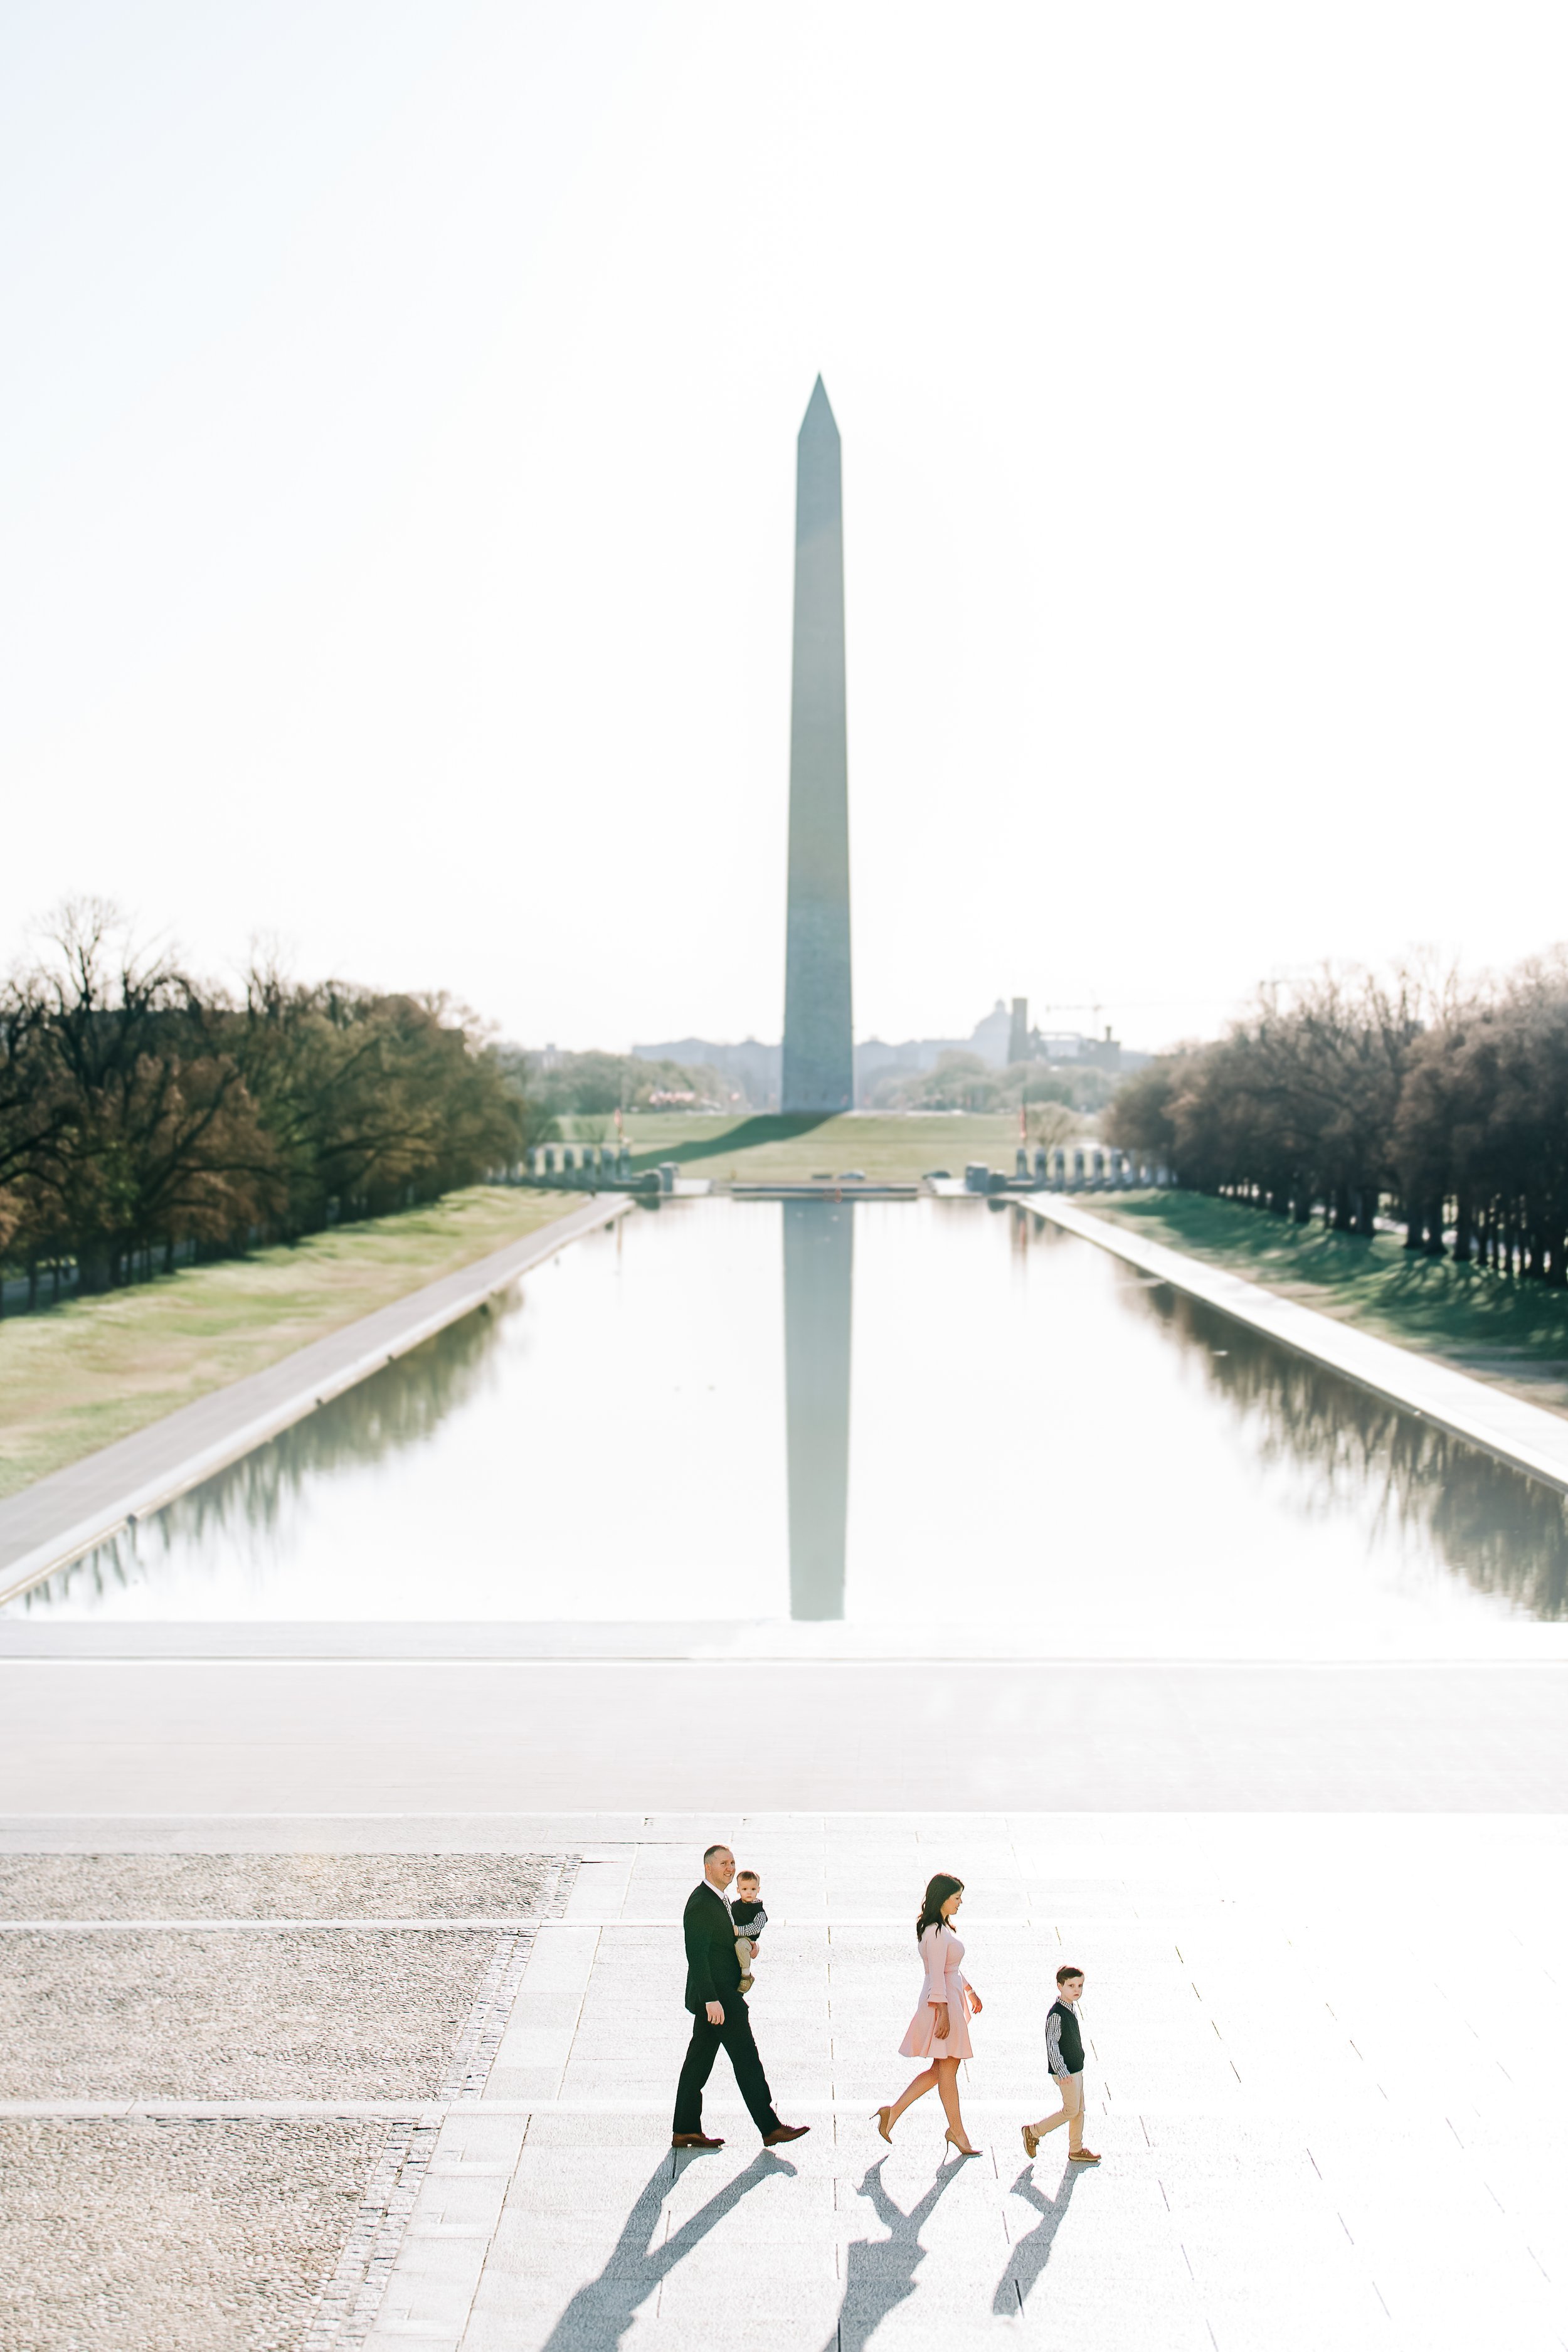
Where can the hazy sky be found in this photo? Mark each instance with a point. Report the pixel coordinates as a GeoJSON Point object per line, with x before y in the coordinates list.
{"type": "Point", "coordinates": [396, 479]}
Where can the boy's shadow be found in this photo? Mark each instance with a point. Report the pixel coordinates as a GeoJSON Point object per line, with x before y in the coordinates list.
{"type": "Point", "coordinates": [880, 2271]}
{"type": "Point", "coordinates": [1031, 2254]}
{"type": "Point", "coordinates": [599, 2313]}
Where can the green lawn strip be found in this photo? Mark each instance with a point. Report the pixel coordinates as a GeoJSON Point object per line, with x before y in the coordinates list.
{"type": "Point", "coordinates": [1514, 1333]}
{"type": "Point", "coordinates": [80, 1375]}
{"type": "Point", "coordinates": [760, 1148]}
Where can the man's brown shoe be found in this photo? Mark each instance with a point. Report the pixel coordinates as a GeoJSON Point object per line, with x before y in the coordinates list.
{"type": "Point", "coordinates": [694, 2140]}
{"type": "Point", "coordinates": [776, 2137]}
{"type": "Point", "coordinates": [1082, 2156]}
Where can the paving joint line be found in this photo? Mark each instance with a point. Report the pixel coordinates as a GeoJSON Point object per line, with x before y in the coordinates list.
{"type": "Point", "coordinates": [827, 1923]}
{"type": "Point", "coordinates": [437, 2110]}
{"type": "Point", "coordinates": [350, 2300]}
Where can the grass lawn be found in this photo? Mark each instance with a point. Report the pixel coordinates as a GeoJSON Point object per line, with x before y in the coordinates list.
{"type": "Point", "coordinates": [1513, 1333]}
{"type": "Point", "coordinates": [761, 1147]}
{"type": "Point", "coordinates": [79, 1375]}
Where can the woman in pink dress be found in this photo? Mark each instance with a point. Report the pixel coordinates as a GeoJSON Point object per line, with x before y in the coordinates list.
{"type": "Point", "coordinates": [939, 2030]}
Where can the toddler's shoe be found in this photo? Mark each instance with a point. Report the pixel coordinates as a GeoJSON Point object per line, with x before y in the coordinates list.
{"type": "Point", "coordinates": [747, 1981]}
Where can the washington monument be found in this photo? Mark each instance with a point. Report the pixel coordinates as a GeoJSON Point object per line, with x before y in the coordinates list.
{"type": "Point", "coordinates": [818, 1045]}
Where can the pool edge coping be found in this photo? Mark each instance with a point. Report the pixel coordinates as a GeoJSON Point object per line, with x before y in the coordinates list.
{"type": "Point", "coordinates": [1525, 1436]}
{"type": "Point", "coordinates": [309, 1377]}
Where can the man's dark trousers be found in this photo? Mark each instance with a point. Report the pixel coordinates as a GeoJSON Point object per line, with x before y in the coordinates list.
{"type": "Point", "coordinates": [735, 2036]}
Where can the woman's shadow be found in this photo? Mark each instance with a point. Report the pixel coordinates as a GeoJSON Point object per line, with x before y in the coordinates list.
{"type": "Point", "coordinates": [880, 2271]}
{"type": "Point", "coordinates": [599, 2313]}
{"type": "Point", "coordinates": [1031, 2254]}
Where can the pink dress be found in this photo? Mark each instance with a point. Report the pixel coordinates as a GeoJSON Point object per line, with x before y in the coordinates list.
{"type": "Point", "coordinates": [942, 1952]}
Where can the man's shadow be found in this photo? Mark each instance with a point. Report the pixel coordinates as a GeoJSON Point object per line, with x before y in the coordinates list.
{"type": "Point", "coordinates": [880, 2272]}
{"type": "Point", "coordinates": [1031, 2254]}
{"type": "Point", "coordinates": [600, 2313]}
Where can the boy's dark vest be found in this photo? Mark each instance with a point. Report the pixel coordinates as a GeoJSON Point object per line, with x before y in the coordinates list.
{"type": "Point", "coordinates": [1072, 2040]}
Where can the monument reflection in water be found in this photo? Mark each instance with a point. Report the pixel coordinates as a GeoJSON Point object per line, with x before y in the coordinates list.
{"type": "Point", "coordinates": [820, 1289]}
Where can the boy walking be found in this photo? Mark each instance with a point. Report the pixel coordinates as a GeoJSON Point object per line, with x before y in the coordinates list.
{"type": "Point", "coordinates": [1064, 2054]}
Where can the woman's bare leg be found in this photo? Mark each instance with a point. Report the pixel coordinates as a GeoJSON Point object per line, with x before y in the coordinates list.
{"type": "Point", "coordinates": [947, 2084]}
{"type": "Point", "coordinates": [916, 2090]}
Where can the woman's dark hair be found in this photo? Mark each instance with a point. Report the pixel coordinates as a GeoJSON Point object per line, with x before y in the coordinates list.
{"type": "Point", "coordinates": [937, 1892]}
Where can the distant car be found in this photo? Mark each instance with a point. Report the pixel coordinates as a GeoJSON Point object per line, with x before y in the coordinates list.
{"type": "Point", "coordinates": [852, 1176]}
{"type": "Point", "coordinates": [937, 1176]}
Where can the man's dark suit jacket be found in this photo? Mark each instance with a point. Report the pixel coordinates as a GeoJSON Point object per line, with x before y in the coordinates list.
{"type": "Point", "coordinates": [712, 1963]}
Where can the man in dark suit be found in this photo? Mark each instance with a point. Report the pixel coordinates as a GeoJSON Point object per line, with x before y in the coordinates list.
{"type": "Point", "coordinates": [719, 2014]}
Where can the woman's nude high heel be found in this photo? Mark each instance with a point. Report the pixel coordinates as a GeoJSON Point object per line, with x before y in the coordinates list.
{"type": "Point", "coordinates": [962, 2151]}
{"type": "Point", "coordinates": [883, 2126]}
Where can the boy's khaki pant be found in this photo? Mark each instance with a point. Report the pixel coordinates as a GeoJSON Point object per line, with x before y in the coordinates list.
{"type": "Point", "coordinates": [1070, 2088]}
{"type": "Point", "coordinates": [745, 1952]}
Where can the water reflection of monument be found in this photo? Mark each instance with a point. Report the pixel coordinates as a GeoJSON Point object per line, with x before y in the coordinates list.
{"type": "Point", "coordinates": [819, 1266]}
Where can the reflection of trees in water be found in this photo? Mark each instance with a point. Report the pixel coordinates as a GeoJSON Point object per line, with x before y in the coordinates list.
{"type": "Point", "coordinates": [1504, 1532]}
{"type": "Point", "coordinates": [402, 1405]}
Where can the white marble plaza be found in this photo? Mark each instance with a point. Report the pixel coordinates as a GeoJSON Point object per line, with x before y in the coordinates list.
{"type": "Point", "coordinates": [1327, 2074]}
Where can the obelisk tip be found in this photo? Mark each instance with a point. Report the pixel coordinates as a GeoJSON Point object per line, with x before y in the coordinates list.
{"type": "Point", "coordinates": [818, 409]}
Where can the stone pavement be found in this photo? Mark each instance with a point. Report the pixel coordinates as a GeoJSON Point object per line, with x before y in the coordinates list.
{"type": "Point", "coordinates": [506, 1735]}
{"type": "Point", "coordinates": [1328, 2067]}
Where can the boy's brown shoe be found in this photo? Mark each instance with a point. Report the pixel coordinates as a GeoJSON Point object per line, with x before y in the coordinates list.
{"type": "Point", "coordinates": [1031, 2141]}
{"type": "Point", "coordinates": [1082, 2156]}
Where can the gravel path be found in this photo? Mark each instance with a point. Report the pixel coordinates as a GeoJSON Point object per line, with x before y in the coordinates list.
{"type": "Point", "coordinates": [159, 2237]}
{"type": "Point", "coordinates": [222, 2236]}
{"type": "Point", "coordinates": [271, 1885]}
{"type": "Point", "coordinates": [313, 2014]}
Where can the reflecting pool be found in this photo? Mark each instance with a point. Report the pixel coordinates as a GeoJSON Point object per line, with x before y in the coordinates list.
{"type": "Point", "coordinates": [958, 1426]}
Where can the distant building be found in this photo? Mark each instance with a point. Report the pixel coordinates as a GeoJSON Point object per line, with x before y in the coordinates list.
{"type": "Point", "coordinates": [1027, 1045]}
{"type": "Point", "coordinates": [1105, 1052]}
{"type": "Point", "coordinates": [988, 1038]}
{"type": "Point", "coordinates": [755, 1068]}
{"type": "Point", "coordinates": [1001, 1036]}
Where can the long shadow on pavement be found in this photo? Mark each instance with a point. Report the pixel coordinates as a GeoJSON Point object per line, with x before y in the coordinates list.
{"type": "Point", "coordinates": [880, 2271]}
{"type": "Point", "coordinates": [599, 2313]}
{"type": "Point", "coordinates": [1031, 2254]}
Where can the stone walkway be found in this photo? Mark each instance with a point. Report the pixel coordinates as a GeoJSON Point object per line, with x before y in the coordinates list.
{"type": "Point", "coordinates": [388, 1736]}
{"type": "Point", "coordinates": [1328, 2074]}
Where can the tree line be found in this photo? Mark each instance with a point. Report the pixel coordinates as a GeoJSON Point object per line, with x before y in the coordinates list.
{"type": "Point", "coordinates": [1438, 1103]}
{"type": "Point", "coordinates": [143, 1111]}
{"type": "Point", "coordinates": [963, 1080]}
{"type": "Point", "coordinates": [590, 1087]}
